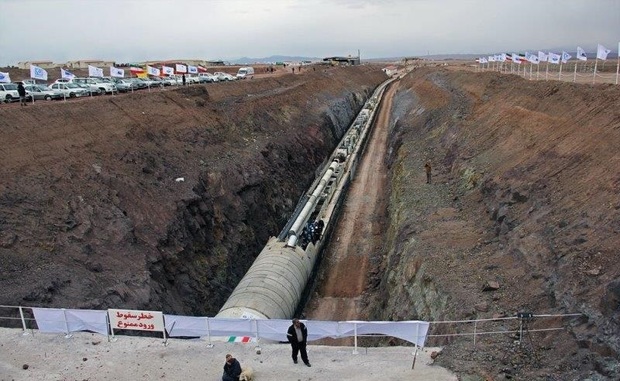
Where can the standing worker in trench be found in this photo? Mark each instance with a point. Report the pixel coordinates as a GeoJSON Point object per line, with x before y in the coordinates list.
{"type": "Point", "coordinates": [427, 168]}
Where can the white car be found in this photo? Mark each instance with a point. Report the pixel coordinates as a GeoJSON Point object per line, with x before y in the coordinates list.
{"type": "Point", "coordinates": [96, 85]}
{"type": "Point", "coordinates": [69, 90]}
{"type": "Point", "coordinates": [224, 76]}
{"type": "Point", "coordinates": [207, 77]}
{"type": "Point", "coordinates": [8, 92]}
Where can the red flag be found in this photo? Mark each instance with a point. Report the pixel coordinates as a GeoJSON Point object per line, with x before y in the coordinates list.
{"type": "Point", "coordinates": [202, 69]}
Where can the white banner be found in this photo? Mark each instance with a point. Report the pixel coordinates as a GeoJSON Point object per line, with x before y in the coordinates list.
{"type": "Point", "coordinates": [602, 52]}
{"type": "Point", "coordinates": [167, 70]}
{"type": "Point", "coordinates": [66, 74]}
{"type": "Point", "coordinates": [5, 77]}
{"type": "Point", "coordinates": [116, 72]}
{"type": "Point", "coordinates": [58, 320]}
{"type": "Point", "coordinates": [581, 54]}
{"type": "Point", "coordinates": [565, 57]}
{"type": "Point", "coordinates": [94, 71]}
{"type": "Point", "coordinates": [181, 68]}
{"type": "Point", "coordinates": [192, 69]}
{"type": "Point", "coordinates": [542, 57]}
{"type": "Point", "coordinates": [38, 73]}
{"type": "Point", "coordinates": [136, 320]}
{"type": "Point", "coordinates": [554, 58]}
{"type": "Point", "coordinates": [275, 329]}
{"type": "Point", "coordinates": [150, 70]}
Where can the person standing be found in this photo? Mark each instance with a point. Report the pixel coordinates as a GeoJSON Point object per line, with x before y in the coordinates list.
{"type": "Point", "coordinates": [183, 79]}
{"type": "Point", "coordinates": [427, 168]}
{"type": "Point", "coordinates": [297, 335]}
{"type": "Point", "coordinates": [232, 369]}
{"type": "Point", "coordinates": [21, 90]}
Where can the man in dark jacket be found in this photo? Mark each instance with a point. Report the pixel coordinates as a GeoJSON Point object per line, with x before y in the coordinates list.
{"type": "Point", "coordinates": [21, 90]}
{"type": "Point", "coordinates": [297, 335]}
{"type": "Point", "coordinates": [232, 369]}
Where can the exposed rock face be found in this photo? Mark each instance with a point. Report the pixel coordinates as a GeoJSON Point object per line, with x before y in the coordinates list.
{"type": "Point", "coordinates": [94, 214]}
{"type": "Point", "coordinates": [525, 199]}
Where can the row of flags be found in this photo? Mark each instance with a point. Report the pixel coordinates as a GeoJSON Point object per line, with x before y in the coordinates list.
{"type": "Point", "coordinates": [37, 72]}
{"type": "Point", "coordinates": [553, 58]}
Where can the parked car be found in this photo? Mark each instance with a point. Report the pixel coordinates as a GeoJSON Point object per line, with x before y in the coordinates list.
{"type": "Point", "coordinates": [207, 77]}
{"type": "Point", "coordinates": [8, 93]}
{"type": "Point", "coordinates": [123, 85]}
{"type": "Point", "coordinates": [170, 81]}
{"type": "Point", "coordinates": [138, 83]}
{"type": "Point", "coordinates": [245, 72]}
{"type": "Point", "coordinates": [40, 92]}
{"type": "Point", "coordinates": [70, 90]}
{"type": "Point", "coordinates": [224, 76]}
{"type": "Point", "coordinates": [95, 85]}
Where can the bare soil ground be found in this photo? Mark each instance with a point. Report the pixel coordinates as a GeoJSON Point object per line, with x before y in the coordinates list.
{"type": "Point", "coordinates": [525, 193]}
{"type": "Point", "coordinates": [358, 236]}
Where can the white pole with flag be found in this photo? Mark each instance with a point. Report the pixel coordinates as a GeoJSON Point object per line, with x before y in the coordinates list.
{"type": "Point", "coordinates": [594, 76]}
{"type": "Point", "coordinates": [618, 66]}
{"type": "Point", "coordinates": [575, 75]}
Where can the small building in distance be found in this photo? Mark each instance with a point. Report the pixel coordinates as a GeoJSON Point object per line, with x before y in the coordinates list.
{"type": "Point", "coordinates": [342, 60]}
{"type": "Point", "coordinates": [41, 64]}
{"type": "Point", "coordinates": [83, 64]}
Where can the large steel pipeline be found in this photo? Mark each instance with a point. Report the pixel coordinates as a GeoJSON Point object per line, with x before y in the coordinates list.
{"type": "Point", "coordinates": [274, 285]}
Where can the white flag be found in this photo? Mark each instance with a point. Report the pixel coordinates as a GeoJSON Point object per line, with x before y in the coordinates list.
{"type": "Point", "coordinates": [150, 70]}
{"type": "Point", "coordinates": [602, 52]}
{"type": "Point", "coordinates": [565, 57]}
{"type": "Point", "coordinates": [181, 68]}
{"type": "Point", "coordinates": [94, 71]}
{"type": "Point", "coordinates": [192, 69]}
{"type": "Point", "coordinates": [554, 58]}
{"type": "Point", "coordinates": [116, 72]}
{"type": "Point", "coordinates": [167, 70]}
{"type": "Point", "coordinates": [581, 54]}
{"type": "Point", "coordinates": [515, 58]}
{"type": "Point", "coordinates": [5, 78]}
{"type": "Point", "coordinates": [38, 73]}
{"type": "Point", "coordinates": [66, 74]}
{"type": "Point", "coordinates": [542, 57]}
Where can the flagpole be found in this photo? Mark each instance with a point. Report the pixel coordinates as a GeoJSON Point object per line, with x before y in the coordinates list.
{"type": "Point", "coordinates": [618, 65]}
{"type": "Point", "coordinates": [560, 74]}
{"type": "Point", "coordinates": [575, 75]}
{"type": "Point", "coordinates": [531, 64]}
{"type": "Point", "coordinates": [537, 71]}
{"type": "Point", "coordinates": [594, 76]}
{"type": "Point", "coordinates": [547, 70]}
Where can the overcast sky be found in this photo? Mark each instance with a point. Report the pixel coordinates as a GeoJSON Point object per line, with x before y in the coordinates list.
{"type": "Point", "coordinates": [138, 30]}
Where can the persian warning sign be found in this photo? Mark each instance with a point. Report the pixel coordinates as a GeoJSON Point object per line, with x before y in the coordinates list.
{"type": "Point", "coordinates": [136, 320]}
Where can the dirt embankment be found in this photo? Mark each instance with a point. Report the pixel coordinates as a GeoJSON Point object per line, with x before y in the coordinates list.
{"type": "Point", "coordinates": [161, 199]}
{"type": "Point", "coordinates": [525, 193]}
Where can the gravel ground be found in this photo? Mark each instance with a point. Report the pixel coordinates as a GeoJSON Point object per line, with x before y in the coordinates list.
{"type": "Point", "coordinates": [87, 356]}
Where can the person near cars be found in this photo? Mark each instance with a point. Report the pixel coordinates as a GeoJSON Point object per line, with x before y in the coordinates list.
{"type": "Point", "coordinates": [21, 90]}
{"type": "Point", "coordinates": [183, 79]}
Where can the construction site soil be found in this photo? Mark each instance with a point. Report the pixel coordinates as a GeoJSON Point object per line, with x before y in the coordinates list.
{"type": "Point", "coordinates": [161, 200]}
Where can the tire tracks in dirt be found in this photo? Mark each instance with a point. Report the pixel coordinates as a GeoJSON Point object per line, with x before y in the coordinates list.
{"type": "Point", "coordinates": [358, 235]}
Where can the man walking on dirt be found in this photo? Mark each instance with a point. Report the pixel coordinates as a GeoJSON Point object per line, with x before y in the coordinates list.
{"type": "Point", "coordinates": [427, 168]}
{"type": "Point", "coordinates": [297, 335]}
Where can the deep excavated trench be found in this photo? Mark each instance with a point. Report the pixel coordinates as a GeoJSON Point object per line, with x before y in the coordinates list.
{"type": "Point", "coordinates": [356, 241]}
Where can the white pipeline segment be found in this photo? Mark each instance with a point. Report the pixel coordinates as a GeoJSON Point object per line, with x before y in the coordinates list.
{"type": "Point", "coordinates": [310, 205]}
{"type": "Point", "coordinates": [274, 285]}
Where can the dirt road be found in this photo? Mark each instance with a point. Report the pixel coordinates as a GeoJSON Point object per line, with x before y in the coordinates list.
{"type": "Point", "coordinates": [343, 276]}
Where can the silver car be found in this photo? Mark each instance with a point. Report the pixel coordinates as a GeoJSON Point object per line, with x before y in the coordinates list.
{"type": "Point", "coordinates": [69, 90]}
{"type": "Point", "coordinates": [40, 92]}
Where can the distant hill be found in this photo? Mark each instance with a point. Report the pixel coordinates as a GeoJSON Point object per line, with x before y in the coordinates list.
{"type": "Point", "coordinates": [250, 60]}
